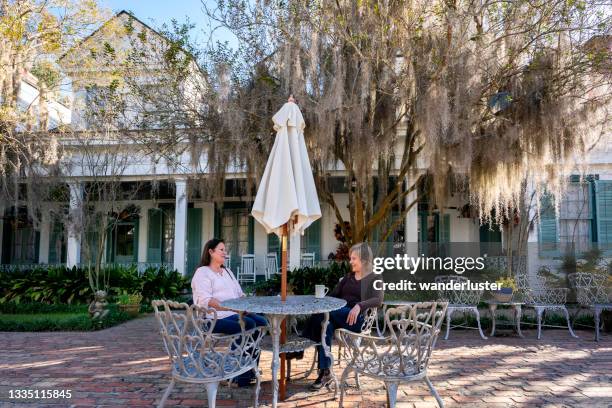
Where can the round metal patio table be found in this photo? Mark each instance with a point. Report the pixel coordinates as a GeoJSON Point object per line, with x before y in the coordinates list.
{"type": "Point", "coordinates": [275, 310]}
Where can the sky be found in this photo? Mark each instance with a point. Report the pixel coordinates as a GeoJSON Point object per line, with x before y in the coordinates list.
{"type": "Point", "coordinates": [157, 12]}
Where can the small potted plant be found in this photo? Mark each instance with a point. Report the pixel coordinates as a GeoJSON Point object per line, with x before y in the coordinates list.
{"type": "Point", "coordinates": [129, 304]}
{"type": "Point", "coordinates": [507, 287]}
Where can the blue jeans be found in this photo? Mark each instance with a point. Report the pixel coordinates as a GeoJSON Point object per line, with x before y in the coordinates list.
{"type": "Point", "coordinates": [231, 325]}
{"type": "Point", "coordinates": [337, 320]}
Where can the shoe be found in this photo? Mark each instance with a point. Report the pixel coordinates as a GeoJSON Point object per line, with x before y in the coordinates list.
{"type": "Point", "coordinates": [322, 380]}
{"type": "Point", "coordinates": [295, 355]}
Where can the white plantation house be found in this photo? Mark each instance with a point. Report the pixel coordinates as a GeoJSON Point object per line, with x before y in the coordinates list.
{"type": "Point", "coordinates": [170, 224]}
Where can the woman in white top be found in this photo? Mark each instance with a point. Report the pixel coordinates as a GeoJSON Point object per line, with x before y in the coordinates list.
{"type": "Point", "coordinates": [213, 283]}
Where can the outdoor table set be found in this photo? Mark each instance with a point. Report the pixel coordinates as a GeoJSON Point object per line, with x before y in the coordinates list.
{"type": "Point", "coordinates": [276, 310]}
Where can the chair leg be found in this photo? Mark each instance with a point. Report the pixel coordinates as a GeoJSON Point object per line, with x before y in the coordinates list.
{"type": "Point", "coordinates": [357, 382]}
{"type": "Point", "coordinates": [391, 394]}
{"type": "Point", "coordinates": [569, 326]}
{"type": "Point", "coordinates": [345, 373]}
{"type": "Point", "coordinates": [257, 385]}
{"type": "Point", "coordinates": [288, 377]}
{"type": "Point", "coordinates": [478, 322]}
{"type": "Point", "coordinates": [434, 392]}
{"type": "Point", "coordinates": [539, 313]}
{"type": "Point", "coordinates": [166, 394]}
{"type": "Point", "coordinates": [597, 312]}
{"type": "Point", "coordinates": [448, 323]}
{"type": "Point", "coordinates": [312, 366]}
{"type": "Point", "coordinates": [211, 393]}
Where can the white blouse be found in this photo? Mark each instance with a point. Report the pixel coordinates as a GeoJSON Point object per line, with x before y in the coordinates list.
{"type": "Point", "coordinates": [207, 284]}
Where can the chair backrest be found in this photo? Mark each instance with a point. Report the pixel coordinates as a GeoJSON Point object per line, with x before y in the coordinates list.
{"type": "Point", "coordinates": [413, 330]}
{"type": "Point", "coordinates": [228, 261]}
{"type": "Point", "coordinates": [307, 259]}
{"type": "Point", "coordinates": [271, 263]}
{"type": "Point", "coordinates": [590, 287]}
{"type": "Point", "coordinates": [247, 266]}
{"type": "Point", "coordinates": [195, 352]}
{"type": "Point", "coordinates": [369, 319]}
{"type": "Point", "coordinates": [538, 291]}
{"type": "Point", "coordinates": [459, 296]}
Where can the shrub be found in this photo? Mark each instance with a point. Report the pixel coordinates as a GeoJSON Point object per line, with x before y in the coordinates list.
{"type": "Point", "coordinates": [127, 299]}
{"type": "Point", "coordinates": [303, 280]}
{"type": "Point", "coordinates": [57, 285]}
{"type": "Point", "coordinates": [46, 285]}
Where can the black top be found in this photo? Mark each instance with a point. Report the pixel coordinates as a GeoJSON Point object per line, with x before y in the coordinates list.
{"type": "Point", "coordinates": [359, 292]}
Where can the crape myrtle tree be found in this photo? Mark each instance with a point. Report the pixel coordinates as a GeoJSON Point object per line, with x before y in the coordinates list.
{"type": "Point", "coordinates": [33, 33]}
{"type": "Point", "coordinates": [99, 158]}
{"type": "Point", "coordinates": [403, 93]}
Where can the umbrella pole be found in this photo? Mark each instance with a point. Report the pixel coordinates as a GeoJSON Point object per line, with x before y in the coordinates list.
{"type": "Point", "coordinates": [282, 385]}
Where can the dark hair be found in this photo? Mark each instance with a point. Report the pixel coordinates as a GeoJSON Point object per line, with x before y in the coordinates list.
{"type": "Point", "coordinates": [210, 245]}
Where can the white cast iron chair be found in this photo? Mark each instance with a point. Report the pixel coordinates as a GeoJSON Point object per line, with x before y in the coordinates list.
{"type": "Point", "coordinates": [403, 356]}
{"type": "Point", "coordinates": [201, 357]}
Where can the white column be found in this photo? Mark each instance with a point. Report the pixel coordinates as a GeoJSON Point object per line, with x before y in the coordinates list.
{"type": "Point", "coordinates": [533, 253]}
{"type": "Point", "coordinates": [143, 231]}
{"type": "Point", "coordinates": [411, 224]}
{"type": "Point", "coordinates": [295, 241]}
{"type": "Point", "coordinates": [73, 256]}
{"type": "Point", "coordinates": [45, 233]}
{"type": "Point", "coordinates": [180, 226]}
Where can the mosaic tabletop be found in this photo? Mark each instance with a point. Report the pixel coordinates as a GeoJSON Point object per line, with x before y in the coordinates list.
{"type": "Point", "coordinates": [294, 305]}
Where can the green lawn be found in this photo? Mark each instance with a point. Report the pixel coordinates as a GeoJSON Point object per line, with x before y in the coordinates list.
{"type": "Point", "coordinates": [73, 318]}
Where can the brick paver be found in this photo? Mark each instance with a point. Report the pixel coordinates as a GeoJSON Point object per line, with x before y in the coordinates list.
{"type": "Point", "coordinates": [126, 366]}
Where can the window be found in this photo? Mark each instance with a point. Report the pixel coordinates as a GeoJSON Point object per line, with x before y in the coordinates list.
{"type": "Point", "coordinates": [125, 240]}
{"type": "Point", "coordinates": [581, 222]}
{"type": "Point", "coordinates": [24, 248]}
{"type": "Point", "coordinates": [575, 218]}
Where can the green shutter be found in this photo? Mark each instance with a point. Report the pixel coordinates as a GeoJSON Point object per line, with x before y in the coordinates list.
{"type": "Point", "coordinates": [136, 233]}
{"type": "Point", "coordinates": [194, 239]}
{"type": "Point", "coordinates": [312, 239]}
{"type": "Point", "coordinates": [110, 243]}
{"type": "Point", "coordinates": [92, 237]}
{"type": "Point", "coordinates": [154, 236]}
{"type": "Point", "coordinates": [603, 198]}
{"type": "Point", "coordinates": [445, 228]}
{"type": "Point", "coordinates": [274, 245]}
{"type": "Point", "coordinates": [548, 237]}
{"type": "Point", "coordinates": [7, 235]}
{"type": "Point", "coordinates": [217, 222]}
{"type": "Point", "coordinates": [251, 234]}
{"type": "Point", "coordinates": [55, 242]}
{"type": "Point", "coordinates": [423, 245]}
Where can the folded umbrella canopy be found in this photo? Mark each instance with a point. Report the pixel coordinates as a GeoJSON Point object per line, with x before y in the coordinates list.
{"type": "Point", "coordinates": [287, 190]}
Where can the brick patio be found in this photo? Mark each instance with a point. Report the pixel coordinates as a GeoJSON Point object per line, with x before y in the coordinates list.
{"type": "Point", "coordinates": [126, 366]}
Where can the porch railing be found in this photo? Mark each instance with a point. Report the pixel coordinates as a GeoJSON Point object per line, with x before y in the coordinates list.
{"type": "Point", "coordinates": [140, 266]}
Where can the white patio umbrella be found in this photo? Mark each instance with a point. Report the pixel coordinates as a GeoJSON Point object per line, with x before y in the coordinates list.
{"type": "Point", "coordinates": [286, 200]}
{"type": "Point", "coordinates": [287, 190]}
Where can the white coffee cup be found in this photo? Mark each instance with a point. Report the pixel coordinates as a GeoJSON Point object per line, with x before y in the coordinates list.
{"type": "Point", "coordinates": [321, 291]}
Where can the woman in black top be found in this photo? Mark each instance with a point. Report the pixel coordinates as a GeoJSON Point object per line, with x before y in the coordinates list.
{"type": "Point", "coordinates": [358, 291]}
